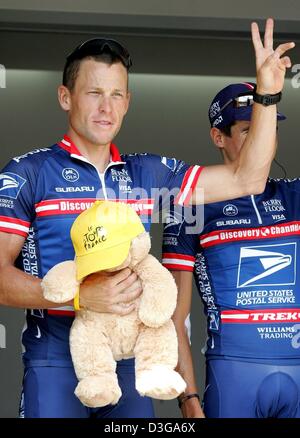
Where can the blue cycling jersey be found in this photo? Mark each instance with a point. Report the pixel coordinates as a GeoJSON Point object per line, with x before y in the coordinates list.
{"type": "Point", "coordinates": [41, 194]}
{"type": "Point", "coordinates": [246, 266]}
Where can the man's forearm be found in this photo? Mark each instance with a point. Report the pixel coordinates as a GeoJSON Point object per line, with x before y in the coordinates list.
{"type": "Point", "coordinates": [258, 151]}
{"type": "Point", "coordinates": [185, 363]}
{"type": "Point", "coordinates": [191, 407]}
{"type": "Point", "coordinates": [248, 173]}
{"type": "Point", "coordinates": [18, 289]}
{"type": "Point", "coordinates": [259, 147]}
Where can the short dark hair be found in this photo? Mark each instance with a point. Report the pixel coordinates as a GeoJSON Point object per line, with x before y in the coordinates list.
{"type": "Point", "coordinates": [226, 130]}
{"type": "Point", "coordinates": [99, 49]}
{"type": "Point", "coordinates": [71, 71]}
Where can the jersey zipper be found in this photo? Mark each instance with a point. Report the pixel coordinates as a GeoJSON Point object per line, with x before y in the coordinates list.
{"type": "Point", "coordinates": [102, 179]}
{"type": "Point", "coordinates": [101, 175]}
{"type": "Point", "coordinates": [256, 209]}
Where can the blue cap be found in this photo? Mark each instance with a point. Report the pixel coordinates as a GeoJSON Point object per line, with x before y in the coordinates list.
{"type": "Point", "coordinates": [220, 118]}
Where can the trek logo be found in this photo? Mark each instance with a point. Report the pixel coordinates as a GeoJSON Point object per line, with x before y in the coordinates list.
{"type": "Point", "coordinates": [230, 210]}
{"type": "Point", "coordinates": [260, 316]}
{"type": "Point", "coordinates": [169, 162]}
{"type": "Point", "coordinates": [11, 184]}
{"type": "Point", "coordinates": [173, 223]}
{"type": "Point", "coordinates": [267, 265]}
{"type": "Point", "coordinates": [70, 174]}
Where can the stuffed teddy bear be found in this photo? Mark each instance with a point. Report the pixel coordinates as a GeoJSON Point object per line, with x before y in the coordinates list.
{"type": "Point", "coordinates": [110, 236]}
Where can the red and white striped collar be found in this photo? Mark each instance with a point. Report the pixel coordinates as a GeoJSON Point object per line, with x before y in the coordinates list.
{"type": "Point", "coordinates": [67, 144]}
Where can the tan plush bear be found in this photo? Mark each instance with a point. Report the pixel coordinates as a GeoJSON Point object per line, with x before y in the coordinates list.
{"type": "Point", "coordinates": [110, 236]}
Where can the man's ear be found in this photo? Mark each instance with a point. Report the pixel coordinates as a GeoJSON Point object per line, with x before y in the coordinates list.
{"type": "Point", "coordinates": [64, 97]}
{"type": "Point", "coordinates": [217, 137]}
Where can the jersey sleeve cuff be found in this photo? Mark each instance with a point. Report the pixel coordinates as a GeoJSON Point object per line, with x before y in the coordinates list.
{"type": "Point", "coordinates": [14, 226]}
{"type": "Point", "coordinates": [188, 185]}
{"type": "Point", "coordinates": [178, 262]}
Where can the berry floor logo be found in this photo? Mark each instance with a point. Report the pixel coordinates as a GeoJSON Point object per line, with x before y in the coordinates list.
{"type": "Point", "coordinates": [2, 336]}
{"type": "Point", "coordinates": [2, 76]}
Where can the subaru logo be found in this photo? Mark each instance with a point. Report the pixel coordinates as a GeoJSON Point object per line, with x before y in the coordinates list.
{"type": "Point", "coordinates": [230, 210]}
{"type": "Point", "coordinates": [70, 175]}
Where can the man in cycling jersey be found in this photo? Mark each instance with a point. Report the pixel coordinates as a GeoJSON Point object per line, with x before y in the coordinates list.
{"type": "Point", "coordinates": [43, 191]}
{"type": "Point", "coordinates": [244, 261]}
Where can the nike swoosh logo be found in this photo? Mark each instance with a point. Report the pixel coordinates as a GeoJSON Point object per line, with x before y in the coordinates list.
{"type": "Point", "coordinates": [206, 388]}
{"type": "Point", "coordinates": [38, 332]}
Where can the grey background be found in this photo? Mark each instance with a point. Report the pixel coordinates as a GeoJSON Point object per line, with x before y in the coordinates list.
{"type": "Point", "coordinates": [183, 53]}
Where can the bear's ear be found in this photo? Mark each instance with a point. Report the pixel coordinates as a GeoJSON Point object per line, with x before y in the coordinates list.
{"type": "Point", "coordinates": [140, 247]}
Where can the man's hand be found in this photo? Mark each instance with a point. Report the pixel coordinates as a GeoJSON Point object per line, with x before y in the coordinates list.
{"type": "Point", "coordinates": [270, 67]}
{"type": "Point", "coordinates": [110, 292]}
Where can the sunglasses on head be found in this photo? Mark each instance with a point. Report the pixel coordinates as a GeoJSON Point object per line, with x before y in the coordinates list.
{"type": "Point", "coordinates": [97, 46]}
{"type": "Point", "coordinates": [240, 101]}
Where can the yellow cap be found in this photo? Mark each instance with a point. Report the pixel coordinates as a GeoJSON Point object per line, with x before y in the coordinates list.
{"type": "Point", "coordinates": [102, 235]}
